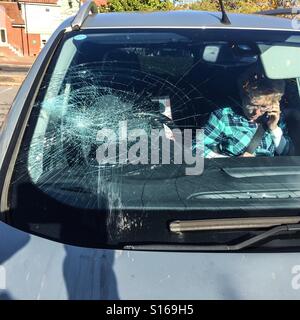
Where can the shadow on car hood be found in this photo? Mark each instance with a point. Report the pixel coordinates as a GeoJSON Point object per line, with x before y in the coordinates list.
{"type": "Point", "coordinates": [36, 268]}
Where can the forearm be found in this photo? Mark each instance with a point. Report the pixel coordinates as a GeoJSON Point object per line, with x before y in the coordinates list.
{"type": "Point", "coordinates": [282, 143]}
{"type": "Point", "coordinates": [209, 153]}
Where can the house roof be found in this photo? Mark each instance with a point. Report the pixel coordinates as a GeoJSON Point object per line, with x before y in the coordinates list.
{"type": "Point", "coordinates": [98, 2]}
{"type": "Point", "coordinates": [13, 12]}
{"type": "Point", "coordinates": [39, 1]}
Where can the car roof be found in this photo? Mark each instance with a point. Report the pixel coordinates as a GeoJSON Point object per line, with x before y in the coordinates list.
{"type": "Point", "coordinates": [185, 19]}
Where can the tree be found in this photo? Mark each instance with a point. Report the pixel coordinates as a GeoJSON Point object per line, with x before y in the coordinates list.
{"type": "Point", "coordinates": [137, 5]}
{"type": "Point", "coordinates": [239, 6]}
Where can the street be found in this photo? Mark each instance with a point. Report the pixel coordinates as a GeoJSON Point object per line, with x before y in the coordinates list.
{"type": "Point", "coordinates": [7, 94]}
{"type": "Point", "coordinates": [11, 77]}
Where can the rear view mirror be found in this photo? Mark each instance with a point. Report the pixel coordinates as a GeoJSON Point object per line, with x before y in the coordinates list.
{"type": "Point", "coordinates": [281, 62]}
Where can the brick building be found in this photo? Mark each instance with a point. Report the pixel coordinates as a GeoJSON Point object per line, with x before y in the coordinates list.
{"type": "Point", "coordinates": [26, 25]}
{"type": "Point", "coordinates": [12, 29]}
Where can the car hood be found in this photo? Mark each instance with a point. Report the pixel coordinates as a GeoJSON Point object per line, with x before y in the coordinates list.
{"type": "Point", "coordinates": [36, 268]}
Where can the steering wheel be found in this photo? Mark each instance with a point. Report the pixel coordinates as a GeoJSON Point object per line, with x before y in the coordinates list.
{"type": "Point", "coordinates": [159, 119]}
{"type": "Point", "coordinates": [79, 141]}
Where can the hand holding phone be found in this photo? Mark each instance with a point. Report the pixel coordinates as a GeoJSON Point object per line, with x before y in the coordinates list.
{"type": "Point", "coordinates": [273, 116]}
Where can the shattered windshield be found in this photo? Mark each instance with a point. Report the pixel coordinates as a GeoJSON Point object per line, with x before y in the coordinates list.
{"type": "Point", "coordinates": [132, 126]}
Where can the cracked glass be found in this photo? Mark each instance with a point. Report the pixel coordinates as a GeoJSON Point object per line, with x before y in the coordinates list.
{"type": "Point", "coordinates": [107, 104]}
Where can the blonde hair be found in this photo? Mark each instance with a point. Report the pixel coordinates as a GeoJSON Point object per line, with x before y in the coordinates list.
{"type": "Point", "coordinates": [254, 83]}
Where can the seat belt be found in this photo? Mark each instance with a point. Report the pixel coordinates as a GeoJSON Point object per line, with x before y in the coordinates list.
{"type": "Point", "coordinates": [256, 139]}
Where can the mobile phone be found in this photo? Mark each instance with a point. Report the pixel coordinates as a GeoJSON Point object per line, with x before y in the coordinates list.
{"type": "Point", "coordinates": [264, 118]}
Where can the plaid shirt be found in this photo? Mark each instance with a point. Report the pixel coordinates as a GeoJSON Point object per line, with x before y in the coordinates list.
{"type": "Point", "coordinates": [230, 132]}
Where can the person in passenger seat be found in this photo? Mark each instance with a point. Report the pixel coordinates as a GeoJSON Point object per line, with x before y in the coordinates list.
{"type": "Point", "coordinates": [254, 128]}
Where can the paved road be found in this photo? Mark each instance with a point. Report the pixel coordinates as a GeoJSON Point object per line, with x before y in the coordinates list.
{"type": "Point", "coordinates": [7, 95]}
{"type": "Point", "coordinates": [14, 68]}
{"type": "Point", "coordinates": [12, 75]}
{"type": "Point", "coordinates": [9, 74]}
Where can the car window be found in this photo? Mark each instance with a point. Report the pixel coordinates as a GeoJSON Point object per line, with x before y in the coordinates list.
{"type": "Point", "coordinates": [109, 155]}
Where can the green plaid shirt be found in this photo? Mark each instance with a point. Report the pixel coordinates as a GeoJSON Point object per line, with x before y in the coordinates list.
{"type": "Point", "coordinates": [230, 132]}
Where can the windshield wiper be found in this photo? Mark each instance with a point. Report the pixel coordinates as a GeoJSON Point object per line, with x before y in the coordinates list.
{"type": "Point", "coordinates": [281, 229]}
{"type": "Point", "coordinates": [235, 247]}
{"type": "Point", "coordinates": [231, 223]}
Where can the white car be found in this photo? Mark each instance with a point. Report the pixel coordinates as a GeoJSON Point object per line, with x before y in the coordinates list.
{"type": "Point", "coordinates": [84, 220]}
